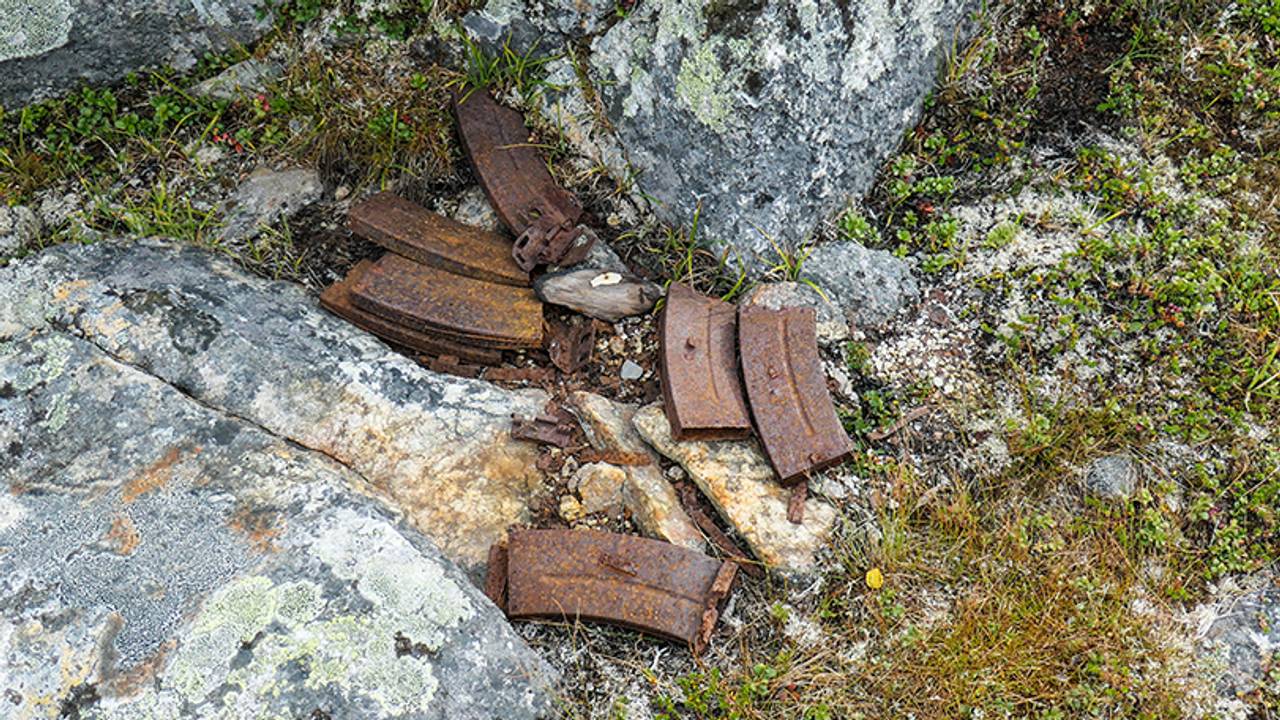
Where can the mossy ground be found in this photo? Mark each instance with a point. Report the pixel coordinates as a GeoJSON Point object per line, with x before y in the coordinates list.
{"type": "Point", "coordinates": [1091, 200]}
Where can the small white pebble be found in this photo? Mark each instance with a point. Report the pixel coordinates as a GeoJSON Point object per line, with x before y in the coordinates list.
{"type": "Point", "coordinates": [631, 371]}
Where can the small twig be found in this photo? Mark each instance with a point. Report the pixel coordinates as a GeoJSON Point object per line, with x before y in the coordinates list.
{"type": "Point", "coordinates": [909, 417]}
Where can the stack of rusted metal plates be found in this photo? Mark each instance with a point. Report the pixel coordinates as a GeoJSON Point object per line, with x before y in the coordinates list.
{"type": "Point", "coordinates": [449, 290]}
{"type": "Point", "coordinates": [443, 289]}
{"type": "Point", "coordinates": [704, 340]}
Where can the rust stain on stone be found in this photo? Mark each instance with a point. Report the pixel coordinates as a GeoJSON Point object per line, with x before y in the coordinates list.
{"type": "Point", "coordinates": [65, 290]}
{"type": "Point", "coordinates": [463, 496]}
{"type": "Point", "coordinates": [139, 677]}
{"type": "Point", "coordinates": [259, 525]}
{"type": "Point", "coordinates": [154, 477]}
{"type": "Point", "coordinates": [123, 536]}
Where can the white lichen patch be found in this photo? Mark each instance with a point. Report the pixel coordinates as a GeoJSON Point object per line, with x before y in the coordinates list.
{"type": "Point", "coordinates": [11, 513]}
{"type": "Point", "coordinates": [292, 625]}
{"type": "Point", "coordinates": [390, 573]}
{"type": "Point", "coordinates": [54, 353]}
{"type": "Point", "coordinates": [939, 356]}
{"type": "Point", "coordinates": [875, 42]}
{"type": "Point", "coordinates": [29, 28]}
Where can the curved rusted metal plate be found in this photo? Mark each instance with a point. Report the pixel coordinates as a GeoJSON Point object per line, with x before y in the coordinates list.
{"type": "Point", "coordinates": [697, 337]}
{"type": "Point", "coordinates": [647, 585]}
{"type": "Point", "coordinates": [337, 300]}
{"type": "Point", "coordinates": [408, 229]}
{"type": "Point", "coordinates": [543, 215]}
{"type": "Point", "coordinates": [458, 308]}
{"type": "Point", "coordinates": [508, 166]}
{"type": "Point", "coordinates": [787, 388]}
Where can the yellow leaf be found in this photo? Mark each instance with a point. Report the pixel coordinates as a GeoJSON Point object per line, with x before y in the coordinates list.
{"type": "Point", "coordinates": [875, 579]}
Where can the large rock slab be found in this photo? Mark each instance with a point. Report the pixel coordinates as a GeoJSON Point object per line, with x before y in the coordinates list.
{"type": "Point", "coordinates": [737, 479]}
{"type": "Point", "coordinates": [767, 115]}
{"type": "Point", "coordinates": [436, 446]}
{"type": "Point", "coordinates": [871, 285]}
{"type": "Point", "coordinates": [51, 46]}
{"type": "Point", "coordinates": [1244, 640]}
{"type": "Point", "coordinates": [160, 558]}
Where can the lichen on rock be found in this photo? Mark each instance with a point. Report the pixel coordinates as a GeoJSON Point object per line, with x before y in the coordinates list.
{"type": "Point", "coordinates": [33, 28]}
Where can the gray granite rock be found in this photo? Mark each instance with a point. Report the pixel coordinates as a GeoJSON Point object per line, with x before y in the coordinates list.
{"type": "Point", "coordinates": [471, 207]}
{"type": "Point", "coordinates": [1244, 639]}
{"type": "Point", "coordinates": [437, 447]}
{"type": "Point", "coordinates": [871, 285]}
{"type": "Point", "coordinates": [537, 25]}
{"type": "Point", "coordinates": [164, 558]}
{"type": "Point", "coordinates": [768, 115]}
{"type": "Point", "coordinates": [832, 327]}
{"type": "Point", "coordinates": [52, 46]}
{"type": "Point", "coordinates": [240, 80]}
{"type": "Point", "coordinates": [1113, 477]}
{"type": "Point", "coordinates": [265, 198]}
{"type": "Point", "coordinates": [19, 226]}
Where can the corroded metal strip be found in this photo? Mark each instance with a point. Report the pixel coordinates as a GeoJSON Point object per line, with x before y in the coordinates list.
{"type": "Point", "coordinates": [647, 585]}
{"type": "Point", "coordinates": [717, 537]}
{"type": "Point", "coordinates": [787, 387]}
{"type": "Point", "coordinates": [337, 300]}
{"type": "Point", "coordinates": [795, 505]}
{"type": "Point", "coordinates": [697, 336]}
{"type": "Point", "coordinates": [411, 230]}
{"type": "Point", "coordinates": [458, 308]}
{"type": "Point", "coordinates": [571, 344]}
{"type": "Point", "coordinates": [543, 216]}
{"type": "Point", "coordinates": [495, 578]}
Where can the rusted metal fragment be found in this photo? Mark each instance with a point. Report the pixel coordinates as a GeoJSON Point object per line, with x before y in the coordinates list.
{"type": "Point", "coordinates": [543, 216]}
{"type": "Point", "coordinates": [452, 365]}
{"type": "Point", "coordinates": [716, 536]}
{"type": "Point", "coordinates": [495, 578]}
{"type": "Point", "coordinates": [697, 337]}
{"type": "Point", "coordinates": [411, 230]}
{"type": "Point", "coordinates": [520, 374]}
{"type": "Point", "coordinates": [554, 428]}
{"type": "Point", "coordinates": [720, 588]}
{"type": "Point", "coordinates": [790, 403]}
{"type": "Point", "coordinates": [458, 308]}
{"type": "Point", "coordinates": [337, 300]}
{"type": "Point", "coordinates": [571, 344]}
{"type": "Point", "coordinates": [647, 585]}
{"type": "Point", "coordinates": [795, 506]}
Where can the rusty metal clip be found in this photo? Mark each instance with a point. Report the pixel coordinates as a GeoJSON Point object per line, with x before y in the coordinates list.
{"type": "Point", "coordinates": [410, 230]}
{"type": "Point", "coordinates": [571, 344]}
{"type": "Point", "coordinates": [558, 428]}
{"type": "Point", "coordinates": [458, 308]}
{"type": "Point", "coordinates": [697, 337]}
{"type": "Point", "coordinates": [337, 300]}
{"type": "Point", "coordinates": [793, 412]}
{"type": "Point", "coordinates": [646, 585]}
{"type": "Point", "coordinates": [543, 216]}
{"type": "Point", "coordinates": [549, 241]}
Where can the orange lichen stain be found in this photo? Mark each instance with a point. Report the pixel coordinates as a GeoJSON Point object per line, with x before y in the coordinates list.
{"type": "Point", "coordinates": [123, 535]}
{"type": "Point", "coordinates": [154, 477]}
{"type": "Point", "coordinates": [260, 526]}
{"type": "Point", "coordinates": [64, 291]}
